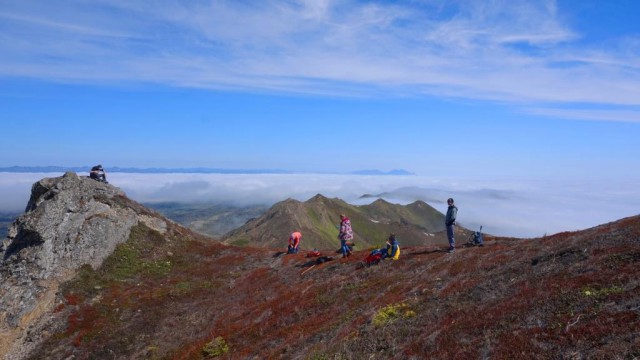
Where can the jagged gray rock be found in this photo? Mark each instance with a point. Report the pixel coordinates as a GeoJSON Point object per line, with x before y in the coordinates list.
{"type": "Point", "coordinates": [69, 221]}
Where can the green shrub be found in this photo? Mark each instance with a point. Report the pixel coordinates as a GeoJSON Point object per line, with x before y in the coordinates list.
{"type": "Point", "coordinates": [391, 313]}
{"type": "Point", "coordinates": [601, 293]}
{"type": "Point", "coordinates": [216, 347]}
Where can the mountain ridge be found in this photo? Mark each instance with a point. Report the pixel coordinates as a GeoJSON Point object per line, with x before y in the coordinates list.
{"type": "Point", "coordinates": [318, 218]}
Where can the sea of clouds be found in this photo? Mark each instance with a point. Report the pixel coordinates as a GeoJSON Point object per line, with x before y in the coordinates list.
{"type": "Point", "coordinates": [521, 208]}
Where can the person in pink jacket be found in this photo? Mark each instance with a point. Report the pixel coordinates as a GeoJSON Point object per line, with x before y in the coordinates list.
{"type": "Point", "coordinates": [346, 234]}
{"type": "Point", "coordinates": [294, 242]}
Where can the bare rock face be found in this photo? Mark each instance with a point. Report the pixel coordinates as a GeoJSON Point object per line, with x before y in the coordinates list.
{"type": "Point", "coordinates": [69, 221]}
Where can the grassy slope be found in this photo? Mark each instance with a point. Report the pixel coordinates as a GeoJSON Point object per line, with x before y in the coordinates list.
{"type": "Point", "coordinates": [571, 295]}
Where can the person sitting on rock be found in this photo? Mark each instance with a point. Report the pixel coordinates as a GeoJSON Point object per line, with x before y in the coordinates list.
{"type": "Point", "coordinates": [97, 173]}
{"type": "Point", "coordinates": [294, 242]}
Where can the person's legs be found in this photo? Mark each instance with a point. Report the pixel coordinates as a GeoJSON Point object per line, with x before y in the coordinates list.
{"type": "Point", "coordinates": [343, 246]}
{"type": "Point", "coordinates": [450, 236]}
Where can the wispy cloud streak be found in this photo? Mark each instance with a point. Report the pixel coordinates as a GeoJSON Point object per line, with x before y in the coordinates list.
{"type": "Point", "coordinates": [510, 51]}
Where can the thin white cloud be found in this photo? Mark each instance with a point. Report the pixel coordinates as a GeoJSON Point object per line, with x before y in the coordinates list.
{"type": "Point", "coordinates": [511, 51]}
{"type": "Point", "coordinates": [523, 208]}
{"type": "Point", "coordinates": [616, 115]}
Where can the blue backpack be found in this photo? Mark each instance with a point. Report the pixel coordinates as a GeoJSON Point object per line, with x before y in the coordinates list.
{"type": "Point", "coordinates": [477, 237]}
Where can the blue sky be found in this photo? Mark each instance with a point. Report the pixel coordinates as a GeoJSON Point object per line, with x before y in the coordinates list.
{"type": "Point", "coordinates": [508, 88]}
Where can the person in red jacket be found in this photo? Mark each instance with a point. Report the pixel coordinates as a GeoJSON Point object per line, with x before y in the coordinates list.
{"type": "Point", "coordinates": [294, 242]}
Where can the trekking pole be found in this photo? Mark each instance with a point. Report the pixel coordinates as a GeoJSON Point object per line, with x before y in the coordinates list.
{"type": "Point", "coordinates": [310, 267]}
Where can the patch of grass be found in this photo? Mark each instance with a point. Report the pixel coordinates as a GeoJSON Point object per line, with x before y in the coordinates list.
{"type": "Point", "coordinates": [127, 262]}
{"type": "Point", "coordinates": [241, 242]}
{"type": "Point", "coordinates": [600, 294]}
{"type": "Point", "coordinates": [86, 283]}
{"type": "Point", "coordinates": [216, 347]}
{"type": "Point", "coordinates": [391, 313]}
{"type": "Point", "coordinates": [182, 288]}
{"type": "Point", "coordinates": [135, 257]}
{"type": "Point", "coordinates": [124, 263]}
{"type": "Point", "coordinates": [324, 299]}
{"type": "Point", "coordinates": [324, 356]}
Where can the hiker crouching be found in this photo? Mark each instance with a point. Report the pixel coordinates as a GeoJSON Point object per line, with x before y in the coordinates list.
{"type": "Point", "coordinates": [97, 173]}
{"type": "Point", "coordinates": [294, 242]}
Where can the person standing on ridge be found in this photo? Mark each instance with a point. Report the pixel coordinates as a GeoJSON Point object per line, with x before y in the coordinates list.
{"type": "Point", "coordinates": [346, 234]}
{"type": "Point", "coordinates": [450, 222]}
{"type": "Point", "coordinates": [294, 242]}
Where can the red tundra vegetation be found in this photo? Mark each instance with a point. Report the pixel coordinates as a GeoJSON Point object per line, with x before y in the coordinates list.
{"type": "Point", "coordinates": [573, 295]}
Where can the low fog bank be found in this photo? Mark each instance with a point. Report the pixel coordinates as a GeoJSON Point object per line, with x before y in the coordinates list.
{"type": "Point", "coordinates": [521, 208]}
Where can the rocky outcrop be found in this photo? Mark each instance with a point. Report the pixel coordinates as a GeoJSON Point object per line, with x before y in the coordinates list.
{"type": "Point", "coordinates": [69, 221]}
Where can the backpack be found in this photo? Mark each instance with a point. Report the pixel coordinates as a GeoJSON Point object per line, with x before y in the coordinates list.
{"type": "Point", "coordinates": [477, 237]}
{"type": "Point", "coordinates": [373, 258]}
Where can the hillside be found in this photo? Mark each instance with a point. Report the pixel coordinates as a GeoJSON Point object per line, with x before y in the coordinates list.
{"type": "Point", "coordinates": [167, 293]}
{"type": "Point", "coordinates": [213, 220]}
{"type": "Point", "coordinates": [318, 219]}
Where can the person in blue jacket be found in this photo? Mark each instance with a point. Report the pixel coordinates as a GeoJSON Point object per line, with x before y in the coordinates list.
{"type": "Point", "coordinates": [393, 248]}
{"type": "Point", "coordinates": [450, 222]}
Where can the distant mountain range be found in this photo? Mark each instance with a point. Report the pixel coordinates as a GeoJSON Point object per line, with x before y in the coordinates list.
{"type": "Point", "coordinates": [194, 170]}
{"type": "Point", "coordinates": [317, 218]}
{"type": "Point", "coordinates": [378, 172]}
